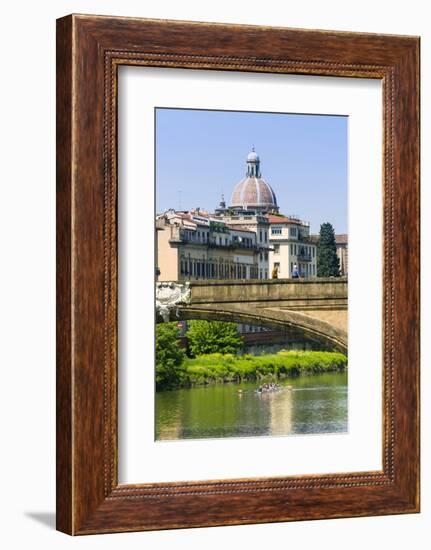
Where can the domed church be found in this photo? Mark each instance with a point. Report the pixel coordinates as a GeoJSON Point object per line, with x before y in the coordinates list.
{"type": "Point", "coordinates": [249, 239]}
{"type": "Point", "coordinates": [252, 193]}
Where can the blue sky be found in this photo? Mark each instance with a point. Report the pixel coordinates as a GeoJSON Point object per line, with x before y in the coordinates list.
{"type": "Point", "coordinates": [201, 154]}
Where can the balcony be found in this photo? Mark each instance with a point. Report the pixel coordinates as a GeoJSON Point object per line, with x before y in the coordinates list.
{"type": "Point", "coordinates": [213, 243]}
{"type": "Point", "coordinates": [302, 257]}
{"type": "Point", "coordinates": [232, 245]}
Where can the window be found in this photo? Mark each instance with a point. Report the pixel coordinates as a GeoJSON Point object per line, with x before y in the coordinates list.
{"type": "Point", "coordinates": [266, 236]}
{"type": "Point", "coordinates": [275, 230]}
{"type": "Point", "coordinates": [277, 248]}
{"type": "Point", "coordinates": [293, 232]}
{"type": "Point", "coordinates": [314, 251]}
{"type": "Point", "coordinates": [260, 236]}
{"type": "Point", "coordinates": [266, 255]}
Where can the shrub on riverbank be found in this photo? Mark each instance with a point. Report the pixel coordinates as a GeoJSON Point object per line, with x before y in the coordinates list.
{"type": "Point", "coordinates": [216, 367]}
{"type": "Point", "coordinates": [207, 337]}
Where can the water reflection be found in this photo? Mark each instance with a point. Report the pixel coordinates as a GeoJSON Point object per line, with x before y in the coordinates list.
{"type": "Point", "coordinates": [305, 405]}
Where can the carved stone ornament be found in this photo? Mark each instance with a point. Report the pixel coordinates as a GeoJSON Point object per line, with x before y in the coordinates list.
{"type": "Point", "coordinates": [169, 296]}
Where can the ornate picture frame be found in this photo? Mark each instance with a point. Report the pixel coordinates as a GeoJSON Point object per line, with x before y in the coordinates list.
{"type": "Point", "coordinates": [89, 51]}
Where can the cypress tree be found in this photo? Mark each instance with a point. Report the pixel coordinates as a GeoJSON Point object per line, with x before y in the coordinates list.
{"type": "Point", "coordinates": [328, 264]}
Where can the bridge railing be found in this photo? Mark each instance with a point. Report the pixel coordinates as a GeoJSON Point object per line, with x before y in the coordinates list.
{"type": "Point", "coordinates": [268, 290]}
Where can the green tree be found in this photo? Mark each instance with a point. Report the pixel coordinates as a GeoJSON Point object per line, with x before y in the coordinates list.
{"type": "Point", "coordinates": [169, 356]}
{"type": "Point", "coordinates": [328, 264]}
{"type": "Point", "coordinates": [213, 337]}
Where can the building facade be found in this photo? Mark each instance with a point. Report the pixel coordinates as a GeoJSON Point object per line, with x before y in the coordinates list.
{"type": "Point", "coordinates": [259, 225]}
{"type": "Point", "coordinates": [248, 239]}
{"type": "Point", "coordinates": [193, 245]}
{"type": "Point", "coordinates": [292, 253]}
{"type": "Point", "coordinates": [341, 242]}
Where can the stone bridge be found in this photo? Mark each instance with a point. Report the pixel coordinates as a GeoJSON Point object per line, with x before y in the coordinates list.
{"type": "Point", "coordinates": [315, 307]}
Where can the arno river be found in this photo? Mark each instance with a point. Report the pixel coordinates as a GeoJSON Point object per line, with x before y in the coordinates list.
{"type": "Point", "coordinates": [304, 405]}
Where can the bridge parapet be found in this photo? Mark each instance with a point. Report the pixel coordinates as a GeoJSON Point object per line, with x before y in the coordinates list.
{"type": "Point", "coordinates": [269, 290]}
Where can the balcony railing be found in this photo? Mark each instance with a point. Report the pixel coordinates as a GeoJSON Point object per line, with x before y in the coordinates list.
{"type": "Point", "coordinates": [181, 238]}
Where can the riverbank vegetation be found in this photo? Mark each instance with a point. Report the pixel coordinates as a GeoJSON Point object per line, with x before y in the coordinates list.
{"type": "Point", "coordinates": [213, 357]}
{"type": "Point", "coordinates": [217, 367]}
{"type": "Point", "coordinates": [169, 357]}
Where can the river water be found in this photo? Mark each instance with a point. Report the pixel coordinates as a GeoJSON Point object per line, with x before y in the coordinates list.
{"type": "Point", "coordinates": [305, 405]}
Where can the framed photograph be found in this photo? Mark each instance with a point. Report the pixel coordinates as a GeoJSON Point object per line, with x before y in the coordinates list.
{"type": "Point", "coordinates": [237, 274]}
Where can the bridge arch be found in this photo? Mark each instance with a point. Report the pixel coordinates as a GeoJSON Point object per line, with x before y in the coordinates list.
{"type": "Point", "coordinates": [313, 329]}
{"type": "Point", "coordinates": [315, 307]}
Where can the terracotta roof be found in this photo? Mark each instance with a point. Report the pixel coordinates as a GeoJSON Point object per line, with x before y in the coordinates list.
{"type": "Point", "coordinates": [341, 239]}
{"type": "Point", "coordinates": [282, 220]}
{"type": "Point", "coordinates": [177, 214]}
{"type": "Point", "coordinates": [252, 191]}
{"type": "Point", "coordinates": [201, 213]}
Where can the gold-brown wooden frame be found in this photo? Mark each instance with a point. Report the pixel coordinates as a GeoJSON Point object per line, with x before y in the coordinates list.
{"type": "Point", "coordinates": [89, 51]}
